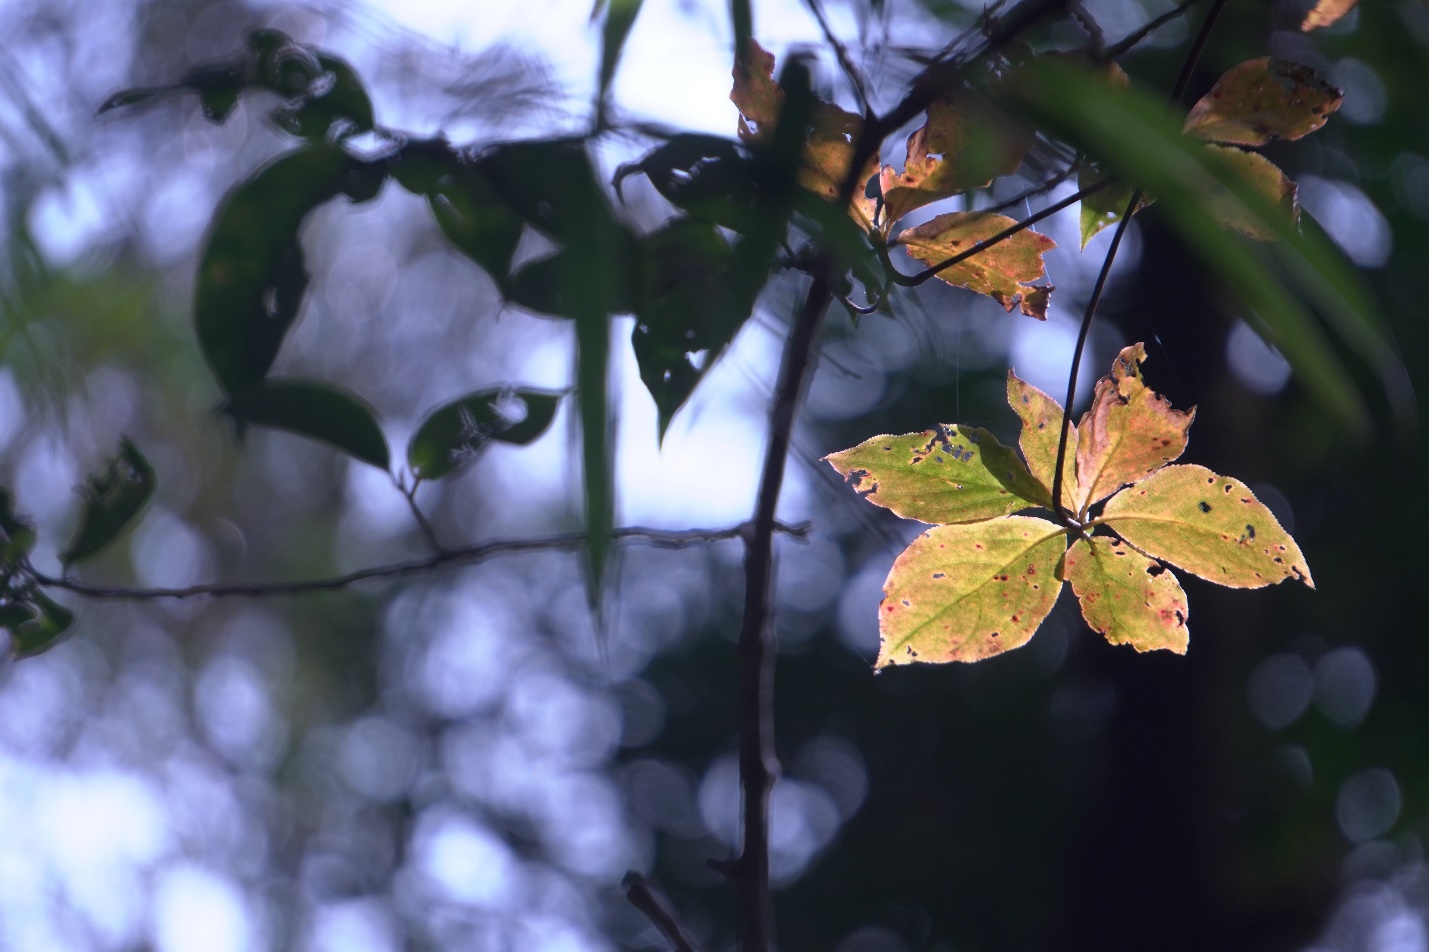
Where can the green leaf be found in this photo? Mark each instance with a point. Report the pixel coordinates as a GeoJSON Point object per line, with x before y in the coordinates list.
{"type": "Point", "coordinates": [706, 176]}
{"type": "Point", "coordinates": [1103, 208]}
{"type": "Point", "coordinates": [457, 432]}
{"type": "Point", "coordinates": [960, 475]}
{"type": "Point", "coordinates": [1126, 596]}
{"type": "Point", "coordinates": [1132, 135]}
{"type": "Point", "coordinates": [335, 105]}
{"type": "Point", "coordinates": [1004, 271]}
{"type": "Point", "coordinates": [689, 309]}
{"type": "Point", "coordinates": [968, 592]}
{"type": "Point", "coordinates": [321, 412]}
{"type": "Point", "coordinates": [597, 444]}
{"type": "Point", "coordinates": [470, 213]}
{"type": "Point", "coordinates": [1263, 99]}
{"type": "Point", "coordinates": [551, 185]}
{"type": "Point", "coordinates": [42, 631]}
{"type": "Point", "coordinates": [17, 535]}
{"type": "Point", "coordinates": [577, 279]}
{"type": "Point", "coordinates": [619, 18]}
{"type": "Point", "coordinates": [253, 274]}
{"type": "Point", "coordinates": [1209, 525]}
{"type": "Point", "coordinates": [112, 498]}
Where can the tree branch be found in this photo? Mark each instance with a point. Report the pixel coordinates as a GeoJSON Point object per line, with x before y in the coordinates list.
{"type": "Point", "coordinates": [642, 897]}
{"type": "Point", "coordinates": [662, 538]}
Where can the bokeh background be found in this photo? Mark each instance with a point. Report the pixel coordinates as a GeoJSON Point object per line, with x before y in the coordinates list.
{"type": "Point", "coordinates": [458, 761]}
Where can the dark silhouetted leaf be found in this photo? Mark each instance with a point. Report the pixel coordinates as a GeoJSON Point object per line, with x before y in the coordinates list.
{"type": "Point", "coordinates": [112, 498]}
{"type": "Point", "coordinates": [576, 279]}
{"type": "Point", "coordinates": [252, 275]}
{"type": "Point", "coordinates": [17, 535]}
{"type": "Point", "coordinates": [335, 105]}
{"type": "Point", "coordinates": [40, 632]}
{"type": "Point", "coordinates": [709, 177]}
{"type": "Point", "coordinates": [619, 18]}
{"type": "Point", "coordinates": [689, 309]}
{"type": "Point", "coordinates": [1263, 99]}
{"type": "Point", "coordinates": [456, 433]}
{"type": "Point", "coordinates": [321, 412]}
{"type": "Point", "coordinates": [552, 185]}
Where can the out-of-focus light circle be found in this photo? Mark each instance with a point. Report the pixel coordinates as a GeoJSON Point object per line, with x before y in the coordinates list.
{"type": "Point", "coordinates": [1256, 365]}
{"type": "Point", "coordinates": [1350, 218]}
{"type": "Point", "coordinates": [1368, 804]}
{"type": "Point", "coordinates": [1280, 690]}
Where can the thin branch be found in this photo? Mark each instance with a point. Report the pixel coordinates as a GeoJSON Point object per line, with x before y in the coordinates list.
{"type": "Point", "coordinates": [851, 72]}
{"type": "Point", "coordinates": [662, 538]}
{"type": "Point", "coordinates": [644, 898]}
{"type": "Point", "coordinates": [1151, 26]}
{"type": "Point", "coordinates": [1034, 191]}
{"type": "Point", "coordinates": [428, 530]}
{"type": "Point", "coordinates": [1188, 67]}
{"type": "Point", "coordinates": [1088, 22]}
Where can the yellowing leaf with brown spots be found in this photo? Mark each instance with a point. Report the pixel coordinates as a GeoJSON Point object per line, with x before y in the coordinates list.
{"type": "Point", "coordinates": [1041, 432]}
{"type": "Point", "coordinates": [1129, 432]}
{"type": "Point", "coordinates": [1326, 12]}
{"type": "Point", "coordinates": [1263, 99]}
{"type": "Point", "coordinates": [1126, 596]}
{"type": "Point", "coordinates": [965, 143]}
{"type": "Point", "coordinates": [1260, 174]}
{"type": "Point", "coordinates": [1209, 525]}
{"type": "Point", "coordinates": [1004, 271]}
{"type": "Point", "coordinates": [967, 592]}
{"type": "Point", "coordinates": [961, 475]}
{"type": "Point", "coordinates": [829, 149]}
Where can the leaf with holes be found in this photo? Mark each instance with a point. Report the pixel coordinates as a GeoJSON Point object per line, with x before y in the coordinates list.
{"type": "Point", "coordinates": [1209, 525]}
{"type": "Point", "coordinates": [1126, 596]}
{"type": "Point", "coordinates": [456, 433]}
{"type": "Point", "coordinates": [1130, 431]}
{"type": "Point", "coordinates": [1004, 271]}
{"type": "Point", "coordinates": [112, 498]}
{"type": "Point", "coordinates": [982, 582]}
{"type": "Point", "coordinates": [968, 592]}
{"type": "Point", "coordinates": [960, 475]}
{"type": "Point", "coordinates": [1263, 99]}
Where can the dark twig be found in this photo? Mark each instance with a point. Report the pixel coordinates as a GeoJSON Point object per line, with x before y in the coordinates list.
{"type": "Point", "coordinates": [1094, 31]}
{"type": "Point", "coordinates": [642, 897]}
{"type": "Point", "coordinates": [1151, 26]}
{"type": "Point", "coordinates": [1042, 188]}
{"type": "Point", "coordinates": [1188, 67]}
{"type": "Point", "coordinates": [663, 538]}
{"type": "Point", "coordinates": [846, 63]}
{"type": "Point", "coordinates": [429, 531]}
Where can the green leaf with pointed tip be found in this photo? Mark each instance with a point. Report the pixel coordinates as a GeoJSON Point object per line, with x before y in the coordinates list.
{"type": "Point", "coordinates": [576, 279]}
{"type": "Point", "coordinates": [42, 631]}
{"type": "Point", "coordinates": [457, 432]}
{"type": "Point", "coordinates": [1207, 524]}
{"type": "Point", "coordinates": [1103, 208]}
{"type": "Point", "coordinates": [619, 18]}
{"type": "Point", "coordinates": [321, 412]}
{"type": "Point", "coordinates": [551, 185]}
{"type": "Point", "coordinates": [470, 213]}
{"type": "Point", "coordinates": [112, 498]}
{"type": "Point", "coordinates": [1126, 596]}
{"type": "Point", "coordinates": [962, 475]}
{"type": "Point", "coordinates": [253, 273]}
{"type": "Point", "coordinates": [597, 444]}
{"type": "Point", "coordinates": [968, 592]}
{"type": "Point", "coordinates": [688, 310]}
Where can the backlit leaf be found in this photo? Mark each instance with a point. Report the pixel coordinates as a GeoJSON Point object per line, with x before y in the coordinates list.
{"type": "Point", "coordinates": [1129, 432]}
{"type": "Point", "coordinates": [112, 498]}
{"type": "Point", "coordinates": [1126, 596]}
{"type": "Point", "coordinates": [457, 432]}
{"type": "Point", "coordinates": [1041, 432]}
{"type": "Point", "coordinates": [968, 592]}
{"type": "Point", "coordinates": [39, 633]}
{"type": "Point", "coordinates": [1263, 99]}
{"type": "Point", "coordinates": [321, 412]}
{"type": "Point", "coordinates": [467, 207]}
{"type": "Point", "coordinates": [1209, 525]}
{"type": "Point", "coordinates": [965, 143]}
{"type": "Point", "coordinates": [1103, 208]}
{"type": "Point", "coordinates": [1326, 12]}
{"type": "Point", "coordinates": [1265, 178]}
{"type": "Point", "coordinates": [1004, 271]}
{"type": "Point", "coordinates": [335, 105]}
{"type": "Point", "coordinates": [962, 475]}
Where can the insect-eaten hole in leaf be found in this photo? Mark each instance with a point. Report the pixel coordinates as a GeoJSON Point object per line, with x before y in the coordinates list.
{"type": "Point", "coordinates": [1153, 570]}
{"type": "Point", "coordinates": [696, 358]}
{"type": "Point", "coordinates": [1203, 506]}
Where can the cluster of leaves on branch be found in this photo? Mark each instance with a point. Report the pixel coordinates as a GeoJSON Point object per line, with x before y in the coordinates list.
{"type": "Point", "coordinates": [765, 201]}
{"type": "Point", "coordinates": [983, 580]}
